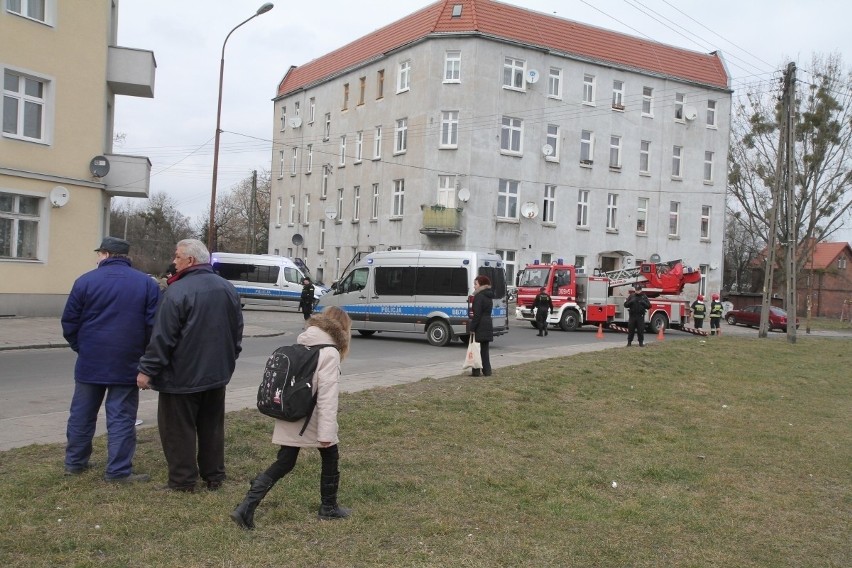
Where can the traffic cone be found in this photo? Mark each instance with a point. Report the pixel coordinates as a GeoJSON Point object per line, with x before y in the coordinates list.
{"type": "Point", "coordinates": [661, 335]}
{"type": "Point", "coordinates": [599, 334]}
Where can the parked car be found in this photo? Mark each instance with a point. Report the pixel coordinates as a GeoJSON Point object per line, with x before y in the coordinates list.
{"type": "Point", "coordinates": [750, 316]}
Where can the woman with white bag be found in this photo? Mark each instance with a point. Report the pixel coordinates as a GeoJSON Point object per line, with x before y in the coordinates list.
{"type": "Point", "coordinates": [481, 327]}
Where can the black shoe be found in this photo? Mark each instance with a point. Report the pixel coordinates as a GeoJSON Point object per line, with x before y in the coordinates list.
{"type": "Point", "coordinates": [243, 515]}
{"type": "Point", "coordinates": [475, 373]}
{"type": "Point", "coordinates": [539, 334]}
{"type": "Point", "coordinates": [132, 478]}
{"type": "Point", "coordinates": [545, 332]}
{"type": "Point", "coordinates": [330, 510]}
{"type": "Point", "coordinates": [214, 485]}
{"type": "Point", "coordinates": [181, 489]}
{"type": "Point", "coordinates": [488, 374]}
{"type": "Point", "coordinates": [71, 471]}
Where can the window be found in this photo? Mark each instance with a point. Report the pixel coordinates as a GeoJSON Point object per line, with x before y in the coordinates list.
{"type": "Point", "coordinates": [356, 203]}
{"type": "Point", "coordinates": [645, 157]}
{"type": "Point", "coordinates": [448, 281]}
{"type": "Point", "coordinates": [549, 209]}
{"type": "Point", "coordinates": [33, 9]}
{"type": "Point", "coordinates": [322, 235]}
{"type": "Point", "coordinates": [841, 263]}
{"type": "Point", "coordinates": [611, 211]}
{"type": "Point", "coordinates": [452, 67]}
{"type": "Point", "coordinates": [283, 118]}
{"type": "Point", "coordinates": [374, 205]}
{"type": "Point", "coordinates": [552, 140]}
{"type": "Point", "coordinates": [677, 161]}
{"type": "Point", "coordinates": [615, 151]}
{"type": "Point", "coordinates": [24, 100]}
{"type": "Point", "coordinates": [579, 261]}
{"type": "Point", "coordinates": [711, 114]}
{"type": "Point", "coordinates": [587, 147]}
{"type": "Point", "coordinates": [450, 129]}
{"type": "Point", "coordinates": [708, 167]}
{"type": "Point", "coordinates": [678, 108]}
{"type": "Point", "coordinates": [513, 73]}
{"type": "Point", "coordinates": [554, 83]}
{"type": "Point", "coordinates": [702, 284]}
{"type": "Point", "coordinates": [395, 280]}
{"type": "Point", "coordinates": [278, 207]}
{"type": "Point", "coordinates": [359, 146]}
{"type": "Point", "coordinates": [589, 89]}
{"type": "Point", "coordinates": [508, 257]}
{"type": "Point", "coordinates": [342, 156]}
{"type": "Point", "coordinates": [306, 210]}
{"type": "Point", "coordinates": [291, 215]}
{"type": "Point", "coordinates": [403, 82]}
{"type": "Point", "coordinates": [312, 111]}
{"type": "Point", "coordinates": [280, 164]}
{"type": "Point", "coordinates": [19, 226]}
{"type": "Point", "coordinates": [618, 95]}
{"type": "Point", "coordinates": [400, 136]}
{"type": "Point", "coordinates": [339, 205]}
{"type": "Point", "coordinates": [647, 101]}
{"type": "Point", "coordinates": [297, 111]}
{"type": "Point", "coordinates": [362, 89]}
{"type": "Point", "coordinates": [380, 84]}
{"type": "Point", "coordinates": [674, 218]}
{"type": "Point", "coordinates": [310, 167]}
{"type": "Point", "coordinates": [345, 96]}
{"type": "Point", "coordinates": [398, 198]}
{"type": "Point", "coordinates": [705, 221]}
{"type": "Point", "coordinates": [510, 135]}
{"type": "Point", "coordinates": [583, 208]}
{"type": "Point", "coordinates": [507, 199]}
{"type": "Point", "coordinates": [447, 191]}
{"type": "Point", "coordinates": [377, 143]}
{"type": "Point", "coordinates": [642, 215]}
{"type": "Point", "coordinates": [324, 187]}
{"type": "Point", "coordinates": [294, 162]}
{"type": "Point", "coordinates": [327, 131]}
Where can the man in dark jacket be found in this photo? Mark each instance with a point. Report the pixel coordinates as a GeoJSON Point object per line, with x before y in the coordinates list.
{"type": "Point", "coordinates": [193, 350]}
{"type": "Point", "coordinates": [107, 321]}
{"type": "Point", "coordinates": [543, 305]}
{"type": "Point", "coordinates": [637, 304]}
{"type": "Point", "coordinates": [481, 324]}
{"type": "Point", "coordinates": [306, 302]}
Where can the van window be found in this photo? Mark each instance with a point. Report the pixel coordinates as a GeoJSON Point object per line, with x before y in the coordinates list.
{"type": "Point", "coordinates": [442, 282]}
{"type": "Point", "coordinates": [247, 272]}
{"type": "Point", "coordinates": [292, 275]}
{"type": "Point", "coordinates": [395, 280]}
{"type": "Point", "coordinates": [498, 279]}
{"type": "Point", "coordinates": [355, 282]}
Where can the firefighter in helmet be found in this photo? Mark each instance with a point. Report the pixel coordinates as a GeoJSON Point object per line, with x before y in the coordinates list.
{"type": "Point", "coordinates": [543, 305]}
{"type": "Point", "coordinates": [637, 304]}
{"type": "Point", "coordinates": [715, 315]}
{"type": "Point", "coordinates": [699, 310]}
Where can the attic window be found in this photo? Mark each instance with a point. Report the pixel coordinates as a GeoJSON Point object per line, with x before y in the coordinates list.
{"type": "Point", "coordinates": [457, 11]}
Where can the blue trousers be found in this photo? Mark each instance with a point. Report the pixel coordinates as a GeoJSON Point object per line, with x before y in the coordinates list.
{"type": "Point", "coordinates": [122, 402]}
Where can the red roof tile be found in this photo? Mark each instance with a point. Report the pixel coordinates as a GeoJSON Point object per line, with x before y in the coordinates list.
{"type": "Point", "coordinates": [494, 19]}
{"type": "Point", "coordinates": [825, 254]}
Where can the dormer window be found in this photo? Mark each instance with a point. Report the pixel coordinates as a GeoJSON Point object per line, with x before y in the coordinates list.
{"type": "Point", "coordinates": [457, 9]}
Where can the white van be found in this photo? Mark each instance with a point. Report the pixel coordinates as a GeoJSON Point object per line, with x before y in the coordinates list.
{"type": "Point", "coordinates": [419, 291]}
{"type": "Point", "coordinates": [263, 279]}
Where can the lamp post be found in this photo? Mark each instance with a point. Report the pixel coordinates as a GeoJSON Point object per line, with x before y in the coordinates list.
{"type": "Point", "coordinates": [211, 229]}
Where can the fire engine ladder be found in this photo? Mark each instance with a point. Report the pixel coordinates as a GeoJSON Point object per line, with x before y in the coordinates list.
{"type": "Point", "coordinates": [625, 276]}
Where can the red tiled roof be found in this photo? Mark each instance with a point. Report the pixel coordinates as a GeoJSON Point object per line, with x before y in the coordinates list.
{"type": "Point", "coordinates": [825, 254]}
{"type": "Point", "coordinates": [494, 19]}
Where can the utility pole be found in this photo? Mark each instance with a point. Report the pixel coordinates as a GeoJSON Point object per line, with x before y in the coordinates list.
{"type": "Point", "coordinates": [791, 300]}
{"type": "Point", "coordinates": [252, 237]}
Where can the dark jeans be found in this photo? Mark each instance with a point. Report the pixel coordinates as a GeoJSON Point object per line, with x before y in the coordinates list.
{"type": "Point", "coordinates": [486, 357]}
{"type": "Point", "coordinates": [122, 402]}
{"type": "Point", "coordinates": [699, 323]}
{"type": "Point", "coordinates": [192, 432]}
{"type": "Point", "coordinates": [541, 322]}
{"type": "Point", "coordinates": [307, 310]}
{"type": "Point", "coordinates": [714, 323]}
{"type": "Point", "coordinates": [286, 461]}
{"type": "Point", "coordinates": [636, 325]}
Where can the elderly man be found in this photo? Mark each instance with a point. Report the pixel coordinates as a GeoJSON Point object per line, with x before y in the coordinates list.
{"type": "Point", "coordinates": [107, 321]}
{"type": "Point", "coordinates": [190, 359]}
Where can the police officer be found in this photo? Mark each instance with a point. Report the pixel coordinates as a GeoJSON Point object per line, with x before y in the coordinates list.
{"type": "Point", "coordinates": [637, 304]}
{"type": "Point", "coordinates": [715, 315]}
{"type": "Point", "coordinates": [306, 302]}
{"type": "Point", "coordinates": [699, 310]}
{"type": "Point", "coordinates": [543, 305]}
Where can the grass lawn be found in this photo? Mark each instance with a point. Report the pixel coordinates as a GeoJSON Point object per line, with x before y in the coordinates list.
{"type": "Point", "coordinates": [728, 452]}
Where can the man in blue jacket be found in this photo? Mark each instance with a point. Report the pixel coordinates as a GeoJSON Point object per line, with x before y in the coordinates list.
{"type": "Point", "coordinates": [107, 321]}
{"type": "Point", "coordinates": [192, 354]}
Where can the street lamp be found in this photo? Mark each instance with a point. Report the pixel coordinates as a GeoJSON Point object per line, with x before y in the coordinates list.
{"type": "Point", "coordinates": [211, 229]}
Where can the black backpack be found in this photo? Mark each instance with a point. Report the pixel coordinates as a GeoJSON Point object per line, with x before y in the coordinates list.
{"type": "Point", "coordinates": [286, 391]}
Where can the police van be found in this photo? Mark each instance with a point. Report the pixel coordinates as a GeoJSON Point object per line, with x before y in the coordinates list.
{"type": "Point", "coordinates": [263, 279]}
{"type": "Point", "coordinates": [416, 291]}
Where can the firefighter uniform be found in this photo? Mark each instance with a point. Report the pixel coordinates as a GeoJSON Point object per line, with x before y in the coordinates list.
{"type": "Point", "coordinates": [543, 305]}
{"type": "Point", "coordinates": [637, 304]}
{"type": "Point", "coordinates": [715, 315]}
{"type": "Point", "coordinates": [699, 310]}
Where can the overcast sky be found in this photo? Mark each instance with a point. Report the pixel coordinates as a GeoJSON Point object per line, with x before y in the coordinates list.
{"type": "Point", "coordinates": [175, 129]}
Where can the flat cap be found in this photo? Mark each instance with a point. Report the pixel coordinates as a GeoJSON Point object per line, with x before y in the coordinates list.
{"type": "Point", "coordinates": [114, 245]}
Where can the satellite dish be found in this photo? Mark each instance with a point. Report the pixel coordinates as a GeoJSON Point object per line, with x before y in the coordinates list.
{"type": "Point", "coordinates": [529, 210]}
{"type": "Point", "coordinates": [297, 239]}
{"type": "Point", "coordinates": [689, 113]}
{"type": "Point", "coordinates": [655, 258]}
{"type": "Point", "coordinates": [58, 196]}
{"type": "Point", "coordinates": [295, 122]}
{"type": "Point", "coordinates": [547, 150]}
{"type": "Point", "coordinates": [99, 166]}
{"type": "Point", "coordinates": [532, 76]}
{"type": "Point", "coordinates": [331, 212]}
{"type": "Point", "coordinates": [464, 195]}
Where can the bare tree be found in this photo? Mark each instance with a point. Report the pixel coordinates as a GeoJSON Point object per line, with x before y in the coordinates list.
{"type": "Point", "coordinates": [742, 247]}
{"type": "Point", "coordinates": [239, 228]}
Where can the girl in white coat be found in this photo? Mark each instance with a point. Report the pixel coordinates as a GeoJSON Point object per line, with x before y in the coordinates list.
{"type": "Point", "coordinates": [331, 326]}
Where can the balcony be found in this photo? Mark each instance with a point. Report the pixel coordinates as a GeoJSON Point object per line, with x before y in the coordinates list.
{"type": "Point", "coordinates": [440, 221]}
{"type": "Point", "coordinates": [131, 71]}
{"type": "Point", "coordinates": [129, 176]}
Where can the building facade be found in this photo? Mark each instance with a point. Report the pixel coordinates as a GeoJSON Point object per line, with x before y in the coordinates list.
{"type": "Point", "coordinates": [61, 69]}
{"type": "Point", "coordinates": [476, 125]}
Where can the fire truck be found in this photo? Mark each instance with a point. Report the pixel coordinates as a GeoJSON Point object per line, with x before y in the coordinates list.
{"type": "Point", "coordinates": [593, 299]}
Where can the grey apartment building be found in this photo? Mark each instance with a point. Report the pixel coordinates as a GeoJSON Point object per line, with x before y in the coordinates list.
{"type": "Point", "coordinates": [477, 125]}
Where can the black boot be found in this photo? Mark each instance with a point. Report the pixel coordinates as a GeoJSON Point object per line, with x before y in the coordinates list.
{"type": "Point", "coordinates": [243, 515]}
{"type": "Point", "coordinates": [329, 509]}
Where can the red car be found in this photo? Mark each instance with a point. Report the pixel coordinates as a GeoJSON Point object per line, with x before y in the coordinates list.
{"type": "Point", "coordinates": [750, 317]}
